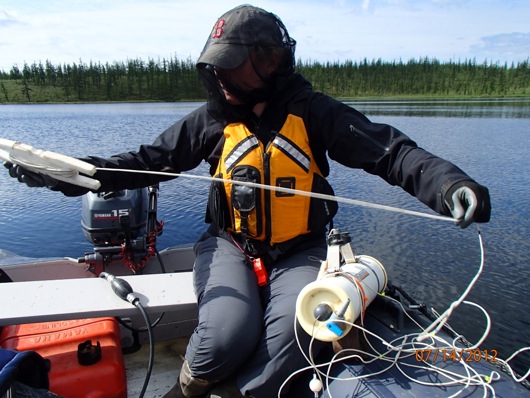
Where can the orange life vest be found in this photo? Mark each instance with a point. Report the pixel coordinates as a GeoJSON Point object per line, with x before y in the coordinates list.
{"type": "Point", "coordinates": [287, 162]}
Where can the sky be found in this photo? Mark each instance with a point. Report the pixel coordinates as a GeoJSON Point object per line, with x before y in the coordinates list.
{"type": "Point", "coordinates": [73, 31]}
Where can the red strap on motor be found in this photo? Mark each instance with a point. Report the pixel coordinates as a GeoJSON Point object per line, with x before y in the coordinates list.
{"type": "Point", "coordinates": [128, 257]}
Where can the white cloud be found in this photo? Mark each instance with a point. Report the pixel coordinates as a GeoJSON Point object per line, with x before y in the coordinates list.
{"type": "Point", "coordinates": [366, 4]}
{"type": "Point", "coordinates": [504, 46]}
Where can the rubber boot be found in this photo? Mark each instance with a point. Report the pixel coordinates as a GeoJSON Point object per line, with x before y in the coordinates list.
{"type": "Point", "coordinates": [189, 386]}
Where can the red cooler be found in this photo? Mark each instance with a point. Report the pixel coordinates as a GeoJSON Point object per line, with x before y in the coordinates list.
{"type": "Point", "coordinates": [85, 355]}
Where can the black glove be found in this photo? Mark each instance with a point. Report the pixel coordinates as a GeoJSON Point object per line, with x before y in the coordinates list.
{"type": "Point", "coordinates": [30, 178]}
{"type": "Point", "coordinates": [468, 202]}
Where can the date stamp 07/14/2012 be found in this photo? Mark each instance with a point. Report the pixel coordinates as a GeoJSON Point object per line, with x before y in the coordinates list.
{"type": "Point", "coordinates": [456, 355]}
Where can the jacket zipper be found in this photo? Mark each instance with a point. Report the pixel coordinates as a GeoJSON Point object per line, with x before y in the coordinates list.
{"type": "Point", "coordinates": [267, 180]}
{"type": "Point", "coordinates": [267, 193]}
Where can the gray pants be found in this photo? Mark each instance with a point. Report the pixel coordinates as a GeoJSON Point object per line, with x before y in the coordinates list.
{"type": "Point", "coordinates": [246, 331]}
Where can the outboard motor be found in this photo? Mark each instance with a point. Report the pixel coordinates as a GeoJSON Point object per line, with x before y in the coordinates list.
{"type": "Point", "coordinates": [121, 225]}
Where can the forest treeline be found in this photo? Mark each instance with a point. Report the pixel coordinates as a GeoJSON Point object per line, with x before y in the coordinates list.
{"type": "Point", "coordinates": [177, 80]}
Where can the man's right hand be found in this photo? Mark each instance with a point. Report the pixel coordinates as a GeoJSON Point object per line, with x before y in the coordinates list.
{"type": "Point", "coordinates": [30, 178]}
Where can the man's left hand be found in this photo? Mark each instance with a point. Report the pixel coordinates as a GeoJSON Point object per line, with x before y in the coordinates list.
{"type": "Point", "coordinates": [468, 202]}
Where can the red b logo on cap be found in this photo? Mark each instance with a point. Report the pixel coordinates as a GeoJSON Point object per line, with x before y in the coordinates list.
{"type": "Point", "coordinates": [218, 29]}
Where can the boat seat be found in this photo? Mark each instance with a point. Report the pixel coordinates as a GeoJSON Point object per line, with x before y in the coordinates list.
{"type": "Point", "coordinates": [52, 300]}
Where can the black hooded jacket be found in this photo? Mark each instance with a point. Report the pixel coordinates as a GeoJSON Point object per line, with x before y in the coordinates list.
{"type": "Point", "coordinates": [335, 130]}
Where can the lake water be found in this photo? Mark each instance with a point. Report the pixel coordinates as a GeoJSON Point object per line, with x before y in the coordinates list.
{"type": "Point", "coordinates": [432, 259]}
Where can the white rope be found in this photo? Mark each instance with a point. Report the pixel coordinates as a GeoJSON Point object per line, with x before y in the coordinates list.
{"type": "Point", "coordinates": [68, 169]}
{"type": "Point", "coordinates": [290, 191]}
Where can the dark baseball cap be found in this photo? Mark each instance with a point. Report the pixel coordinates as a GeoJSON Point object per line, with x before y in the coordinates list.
{"type": "Point", "coordinates": [237, 32]}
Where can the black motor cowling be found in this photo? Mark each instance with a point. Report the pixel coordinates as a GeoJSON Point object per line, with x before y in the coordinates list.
{"type": "Point", "coordinates": [111, 218]}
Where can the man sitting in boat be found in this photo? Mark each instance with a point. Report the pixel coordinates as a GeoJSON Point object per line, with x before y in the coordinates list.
{"type": "Point", "coordinates": [264, 124]}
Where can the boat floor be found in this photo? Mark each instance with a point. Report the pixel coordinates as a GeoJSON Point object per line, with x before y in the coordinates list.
{"type": "Point", "coordinates": [169, 356]}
